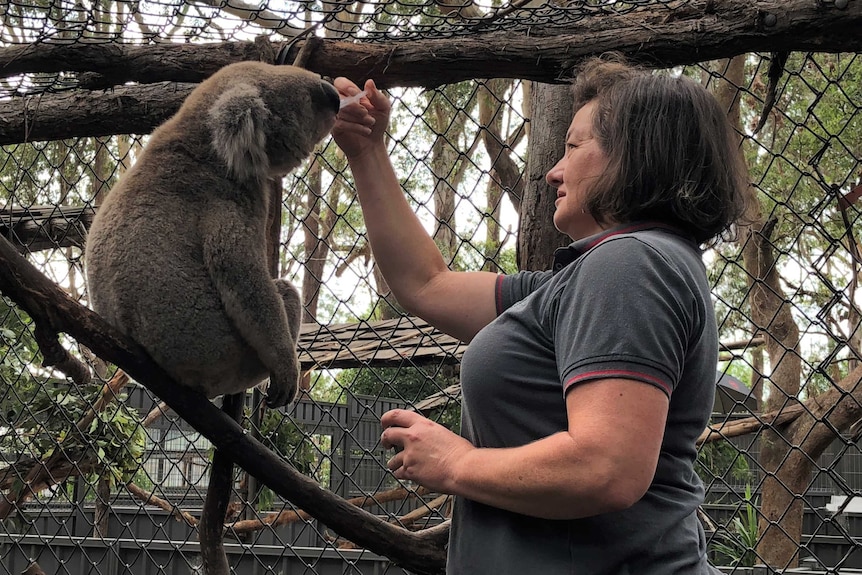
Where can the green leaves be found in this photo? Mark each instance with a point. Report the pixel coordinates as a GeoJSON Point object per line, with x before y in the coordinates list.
{"type": "Point", "coordinates": [111, 445]}
{"type": "Point", "coordinates": [739, 542]}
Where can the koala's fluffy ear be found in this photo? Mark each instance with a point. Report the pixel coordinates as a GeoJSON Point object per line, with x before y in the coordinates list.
{"type": "Point", "coordinates": [237, 120]}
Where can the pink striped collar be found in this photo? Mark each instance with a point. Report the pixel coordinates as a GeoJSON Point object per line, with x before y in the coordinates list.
{"type": "Point", "coordinates": [566, 255]}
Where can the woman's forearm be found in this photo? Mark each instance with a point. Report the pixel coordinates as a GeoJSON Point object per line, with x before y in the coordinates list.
{"type": "Point", "coordinates": [551, 478]}
{"type": "Point", "coordinates": [407, 256]}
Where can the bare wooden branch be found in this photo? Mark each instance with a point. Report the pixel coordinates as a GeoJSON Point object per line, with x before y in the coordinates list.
{"type": "Point", "coordinates": [46, 303]}
{"type": "Point", "coordinates": [813, 424]}
{"type": "Point", "coordinates": [109, 394]}
{"type": "Point", "coordinates": [751, 424]}
{"type": "Point", "coordinates": [155, 413]}
{"type": "Point", "coordinates": [56, 356]}
{"type": "Point", "coordinates": [291, 516]}
{"type": "Point", "coordinates": [118, 63]}
{"type": "Point", "coordinates": [741, 344]}
{"type": "Point", "coordinates": [409, 519]}
{"type": "Point", "coordinates": [662, 34]}
{"type": "Point", "coordinates": [659, 36]}
{"type": "Point", "coordinates": [81, 113]}
{"type": "Point", "coordinates": [150, 498]}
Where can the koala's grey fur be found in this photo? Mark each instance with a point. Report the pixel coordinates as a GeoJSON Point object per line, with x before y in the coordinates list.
{"type": "Point", "coordinates": [176, 256]}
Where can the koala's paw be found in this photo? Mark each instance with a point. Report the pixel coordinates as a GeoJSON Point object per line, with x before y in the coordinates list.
{"type": "Point", "coordinates": [282, 387]}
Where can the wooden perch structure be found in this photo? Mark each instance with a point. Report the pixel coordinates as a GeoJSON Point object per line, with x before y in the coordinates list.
{"type": "Point", "coordinates": [49, 307]}
{"type": "Point", "coordinates": [38, 228]}
{"type": "Point", "coordinates": [659, 35]}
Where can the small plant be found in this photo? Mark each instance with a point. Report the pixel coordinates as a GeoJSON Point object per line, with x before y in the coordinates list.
{"type": "Point", "coordinates": [739, 542]}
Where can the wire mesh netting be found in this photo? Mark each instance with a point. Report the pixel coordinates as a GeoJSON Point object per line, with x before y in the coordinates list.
{"type": "Point", "coordinates": [103, 478]}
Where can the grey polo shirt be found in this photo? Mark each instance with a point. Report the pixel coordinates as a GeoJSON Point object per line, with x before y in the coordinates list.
{"type": "Point", "coordinates": [632, 303]}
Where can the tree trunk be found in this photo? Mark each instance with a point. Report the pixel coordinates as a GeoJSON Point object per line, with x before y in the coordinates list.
{"type": "Point", "coordinates": [505, 174]}
{"type": "Point", "coordinates": [100, 514]}
{"type": "Point", "coordinates": [537, 237]}
{"type": "Point", "coordinates": [316, 248]}
{"type": "Point", "coordinates": [785, 479]}
{"type": "Point", "coordinates": [444, 158]}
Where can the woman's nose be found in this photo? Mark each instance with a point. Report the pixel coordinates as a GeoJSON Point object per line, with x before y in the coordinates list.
{"type": "Point", "coordinates": [555, 176]}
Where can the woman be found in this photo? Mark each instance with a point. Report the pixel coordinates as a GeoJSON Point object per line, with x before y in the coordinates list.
{"type": "Point", "coordinates": [586, 386]}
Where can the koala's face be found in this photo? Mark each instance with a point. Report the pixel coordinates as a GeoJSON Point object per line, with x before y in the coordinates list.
{"type": "Point", "coordinates": [303, 109]}
{"type": "Point", "coordinates": [266, 119]}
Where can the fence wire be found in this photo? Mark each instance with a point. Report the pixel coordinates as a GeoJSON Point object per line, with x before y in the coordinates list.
{"type": "Point", "coordinates": [116, 486]}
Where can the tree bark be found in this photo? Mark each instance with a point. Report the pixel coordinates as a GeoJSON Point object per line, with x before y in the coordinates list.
{"type": "Point", "coordinates": [656, 36]}
{"type": "Point", "coordinates": [316, 227]}
{"type": "Point", "coordinates": [665, 35]}
{"type": "Point", "coordinates": [785, 478]}
{"type": "Point", "coordinates": [537, 237]}
{"type": "Point", "coordinates": [219, 490]}
{"type": "Point", "coordinates": [45, 302]}
{"type": "Point", "coordinates": [80, 113]}
{"type": "Point", "coordinates": [102, 508]}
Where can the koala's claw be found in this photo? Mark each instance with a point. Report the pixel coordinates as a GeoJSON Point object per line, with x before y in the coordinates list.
{"type": "Point", "coordinates": [281, 390]}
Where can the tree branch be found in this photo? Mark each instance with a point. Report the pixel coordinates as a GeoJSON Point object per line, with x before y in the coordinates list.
{"type": "Point", "coordinates": [81, 113]}
{"type": "Point", "coordinates": [657, 36]}
{"type": "Point", "coordinates": [291, 516]}
{"type": "Point", "coordinates": [150, 498]}
{"type": "Point", "coordinates": [47, 304]}
{"type": "Point", "coordinates": [661, 35]}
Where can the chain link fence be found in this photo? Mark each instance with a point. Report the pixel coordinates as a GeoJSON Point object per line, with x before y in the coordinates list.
{"type": "Point", "coordinates": [103, 478]}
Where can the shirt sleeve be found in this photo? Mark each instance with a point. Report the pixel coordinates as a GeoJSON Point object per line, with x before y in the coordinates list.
{"type": "Point", "coordinates": [625, 312]}
{"type": "Point", "coordinates": [513, 288]}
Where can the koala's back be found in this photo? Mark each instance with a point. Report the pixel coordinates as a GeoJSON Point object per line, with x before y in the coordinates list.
{"type": "Point", "coordinates": [148, 276]}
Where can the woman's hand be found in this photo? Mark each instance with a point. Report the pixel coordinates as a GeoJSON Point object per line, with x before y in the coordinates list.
{"type": "Point", "coordinates": [428, 452]}
{"type": "Point", "coordinates": [360, 126]}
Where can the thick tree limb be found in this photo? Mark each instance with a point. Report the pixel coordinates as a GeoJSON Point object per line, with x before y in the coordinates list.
{"type": "Point", "coordinates": [662, 34]}
{"type": "Point", "coordinates": [47, 304]}
{"type": "Point", "coordinates": [657, 35]}
{"type": "Point", "coordinates": [211, 526]}
{"type": "Point", "coordinates": [121, 63]}
{"type": "Point", "coordinates": [81, 113]}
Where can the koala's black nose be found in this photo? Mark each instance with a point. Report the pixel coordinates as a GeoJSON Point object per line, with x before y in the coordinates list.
{"type": "Point", "coordinates": [333, 100]}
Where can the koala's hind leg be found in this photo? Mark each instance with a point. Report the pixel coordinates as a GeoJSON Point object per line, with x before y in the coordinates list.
{"type": "Point", "coordinates": [292, 305]}
{"type": "Point", "coordinates": [293, 309]}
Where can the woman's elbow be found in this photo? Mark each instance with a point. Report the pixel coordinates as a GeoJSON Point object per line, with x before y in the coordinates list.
{"type": "Point", "coordinates": [624, 492]}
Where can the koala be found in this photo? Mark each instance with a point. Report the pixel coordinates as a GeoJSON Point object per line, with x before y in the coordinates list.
{"type": "Point", "coordinates": [176, 255]}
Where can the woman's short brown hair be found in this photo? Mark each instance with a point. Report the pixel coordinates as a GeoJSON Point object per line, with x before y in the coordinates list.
{"type": "Point", "coordinates": [673, 155]}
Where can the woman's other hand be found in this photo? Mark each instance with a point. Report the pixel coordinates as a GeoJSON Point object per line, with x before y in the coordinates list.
{"type": "Point", "coordinates": [428, 453]}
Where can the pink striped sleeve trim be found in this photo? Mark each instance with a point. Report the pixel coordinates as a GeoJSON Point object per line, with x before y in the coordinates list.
{"type": "Point", "coordinates": [498, 294]}
{"type": "Point", "coordinates": [661, 384]}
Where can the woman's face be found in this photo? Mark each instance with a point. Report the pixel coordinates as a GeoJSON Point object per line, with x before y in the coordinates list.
{"type": "Point", "coordinates": [583, 162]}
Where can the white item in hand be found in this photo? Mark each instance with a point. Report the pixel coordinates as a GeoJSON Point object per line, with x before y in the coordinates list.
{"type": "Point", "coordinates": [351, 99]}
